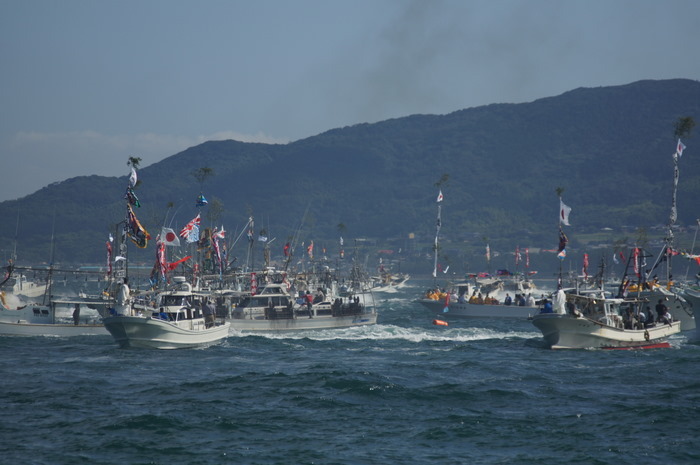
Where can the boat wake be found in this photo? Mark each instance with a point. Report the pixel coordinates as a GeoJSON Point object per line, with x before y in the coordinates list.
{"type": "Point", "coordinates": [381, 332]}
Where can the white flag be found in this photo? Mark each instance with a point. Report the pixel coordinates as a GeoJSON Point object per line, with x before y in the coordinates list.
{"type": "Point", "coordinates": [133, 178]}
{"type": "Point", "coordinates": [679, 148]}
{"type": "Point", "coordinates": [439, 199]}
{"type": "Point", "coordinates": [168, 237]}
{"type": "Point", "coordinates": [564, 213]}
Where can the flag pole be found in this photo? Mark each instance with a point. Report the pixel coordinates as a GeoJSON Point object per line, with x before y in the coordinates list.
{"type": "Point", "coordinates": [563, 220]}
{"type": "Point", "coordinates": [437, 234]}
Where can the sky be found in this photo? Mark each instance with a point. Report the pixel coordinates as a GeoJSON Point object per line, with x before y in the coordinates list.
{"type": "Point", "coordinates": [86, 84]}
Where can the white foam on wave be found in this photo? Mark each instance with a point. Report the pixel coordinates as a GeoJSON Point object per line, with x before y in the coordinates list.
{"type": "Point", "coordinates": [391, 332]}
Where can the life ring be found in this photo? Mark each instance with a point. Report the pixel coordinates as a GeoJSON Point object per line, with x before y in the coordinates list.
{"type": "Point", "coordinates": [646, 334]}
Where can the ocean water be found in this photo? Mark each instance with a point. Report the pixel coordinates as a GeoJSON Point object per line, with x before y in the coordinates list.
{"type": "Point", "coordinates": [401, 392]}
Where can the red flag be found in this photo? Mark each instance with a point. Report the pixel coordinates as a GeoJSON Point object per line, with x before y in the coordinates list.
{"type": "Point", "coordinates": [173, 265]}
{"type": "Point", "coordinates": [189, 227]}
{"type": "Point", "coordinates": [109, 258]}
{"type": "Point", "coordinates": [253, 284]}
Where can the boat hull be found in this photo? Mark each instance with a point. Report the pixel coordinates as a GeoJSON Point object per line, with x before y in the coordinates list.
{"type": "Point", "coordinates": [564, 331]}
{"type": "Point", "coordinates": [151, 333]}
{"type": "Point", "coordinates": [23, 328]}
{"type": "Point", "coordinates": [302, 323]}
{"type": "Point", "coordinates": [685, 315]}
{"type": "Point", "coordinates": [467, 310]}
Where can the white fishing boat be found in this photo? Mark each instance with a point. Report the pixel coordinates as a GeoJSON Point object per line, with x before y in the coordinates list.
{"type": "Point", "coordinates": [458, 304]}
{"type": "Point", "coordinates": [273, 308]}
{"type": "Point", "coordinates": [388, 282]}
{"type": "Point", "coordinates": [596, 321]}
{"type": "Point", "coordinates": [467, 310]}
{"type": "Point", "coordinates": [34, 311]}
{"type": "Point", "coordinates": [23, 287]}
{"type": "Point", "coordinates": [176, 321]}
{"type": "Point", "coordinates": [61, 318]}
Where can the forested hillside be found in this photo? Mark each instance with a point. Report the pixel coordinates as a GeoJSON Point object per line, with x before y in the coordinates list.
{"type": "Point", "coordinates": [609, 149]}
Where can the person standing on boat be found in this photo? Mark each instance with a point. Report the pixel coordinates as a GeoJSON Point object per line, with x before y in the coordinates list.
{"type": "Point", "coordinates": [649, 320]}
{"type": "Point", "coordinates": [76, 314]}
{"type": "Point", "coordinates": [309, 302]}
{"type": "Point", "coordinates": [209, 313]}
{"type": "Point", "coordinates": [666, 318]}
{"type": "Point", "coordinates": [124, 299]}
{"type": "Point", "coordinates": [660, 309]}
{"type": "Point", "coordinates": [507, 300]}
{"type": "Point", "coordinates": [530, 302]}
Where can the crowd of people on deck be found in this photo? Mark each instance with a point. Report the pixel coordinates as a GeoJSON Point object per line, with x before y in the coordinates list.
{"type": "Point", "coordinates": [646, 319]}
{"type": "Point", "coordinates": [477, 298]}
{"type": "Point", "coordinates": [631, 319]}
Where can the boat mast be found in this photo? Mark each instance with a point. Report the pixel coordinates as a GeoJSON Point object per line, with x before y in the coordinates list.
{"type": "Point", "coordinates": [437, 233]}
{"type": "Point", "coordinates": [667, 251]}
{"type": "Point", "coordinates": [563, 220]}
{"type": "Point", "coordinates": [49, 277]}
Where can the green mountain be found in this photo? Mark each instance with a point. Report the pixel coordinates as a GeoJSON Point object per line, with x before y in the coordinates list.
{"type": "Point", "coordinates": [609, 148]}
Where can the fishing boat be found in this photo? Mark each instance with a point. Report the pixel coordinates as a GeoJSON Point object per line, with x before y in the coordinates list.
{"type": "Point", "coordinates": [61, 318]}
{"type": "Point", "coordinates": [273, 308]}
{"type": "Point", "coordinates": [34, 311]}
{"type": "Point", "coordinates": [175, 321]}
{"type": "Point", "coordinates": [23, 287]}
{"type": "Point", "coordinates": [179, 317]}
{"type": "Point", "coordinates": [593, 320]}
{"type": "Point", "coordinates": [389, 282]}
{"type": "Point", "coordinates": [458, 304]}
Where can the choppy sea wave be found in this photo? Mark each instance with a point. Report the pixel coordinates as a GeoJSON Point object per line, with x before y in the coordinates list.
{"type": "Point", "coordinates": [402, 391]}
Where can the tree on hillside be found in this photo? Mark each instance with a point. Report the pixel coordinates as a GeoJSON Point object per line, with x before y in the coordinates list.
{"type": "Point", "coordinates": [134, 162]}
{"type": "Point", "coordinates": [683, 126]}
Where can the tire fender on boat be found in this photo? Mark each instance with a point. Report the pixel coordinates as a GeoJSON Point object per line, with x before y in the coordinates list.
{"type": "Point", "coordinates": [646, 334]}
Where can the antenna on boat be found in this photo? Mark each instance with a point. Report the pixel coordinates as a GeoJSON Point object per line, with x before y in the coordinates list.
{"type": "Point", "coordinates": [295, 238]}
{"type": "Point", "coordinates": [49, 277]}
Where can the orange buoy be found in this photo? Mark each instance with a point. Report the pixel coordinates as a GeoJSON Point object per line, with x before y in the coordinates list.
{"type": "Point", "coordinates": [440, 322]}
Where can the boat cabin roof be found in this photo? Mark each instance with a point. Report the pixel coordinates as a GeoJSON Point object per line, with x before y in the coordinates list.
{"type": "Point", "coordinates": [272, 288]}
